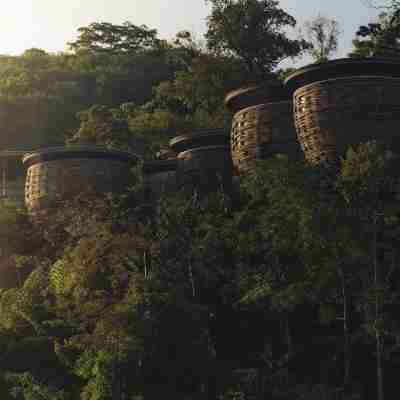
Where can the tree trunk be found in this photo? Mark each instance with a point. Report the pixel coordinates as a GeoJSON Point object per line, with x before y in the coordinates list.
{"type": "Point", "coordinates": [191, 279]}
{"type": "Point", "coordinates": [289, 341]}
{"type": "Point", "coordinates": [379, 368]}
{"type": "Point", "coordinates": [346, 336]}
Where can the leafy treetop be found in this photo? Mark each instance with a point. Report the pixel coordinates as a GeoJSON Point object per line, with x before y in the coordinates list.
{"type": "Point", "coordinates": [253, 31]}
{"type": "Point", "coordinates": [323, 34]}
{"type": "Point", "coordinates": [104, 37]}
{"type": "Point", "coordinates": [380, 38]}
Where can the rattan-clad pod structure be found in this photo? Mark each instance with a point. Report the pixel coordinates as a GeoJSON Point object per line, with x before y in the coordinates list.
{"type": "Point", "coordinates": [204, 160]}
{"type": "Point", "coordinates": [261, 131]}
{"type": "Point", "coordinates": [262, 124]}
{"type": "Point", "coordinates": [59, 174]}
{"type": "Point", "coordinates": [159, 179]}
{"type": "Point", "coordinates": [12, 175]}
{"type": "Point", "coordinates": [345, 102]}
{"type": "Point", "coordinates": [251, 95]}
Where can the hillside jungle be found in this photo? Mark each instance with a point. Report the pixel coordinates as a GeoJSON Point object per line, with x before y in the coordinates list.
{"type": "Point", "coordinates": [290, 290]}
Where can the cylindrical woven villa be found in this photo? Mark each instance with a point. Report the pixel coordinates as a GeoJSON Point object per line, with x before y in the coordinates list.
{"type": "Point", "coordinates": [159, 179]}
{"type": "Point", "coordinates": [261, 131]}
{"type": "Point", "coordinates": [58, 174]}
{"type": "Point", "coordinates": [345, 102]}
{"type": "Point", "coordinates": [263, 127]}
{"type": "Point", "coordinates": [204, 160]}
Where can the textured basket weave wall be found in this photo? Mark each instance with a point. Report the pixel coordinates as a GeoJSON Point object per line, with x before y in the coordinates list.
{"type": "Point", "coordinates": [160, 179]}
{"type": "Point", "coordinates": [330, 115]}
{"type": "Point", "coordinates": [12, 175]}
{"type": "Point", "coordinates": [61, 175]}
{"type": "Point", "coordinates": [204, 160]}
{"type": "Point", "coordinates": [206, 169]}
{"type": "Point", "coordinates": [260, 131]}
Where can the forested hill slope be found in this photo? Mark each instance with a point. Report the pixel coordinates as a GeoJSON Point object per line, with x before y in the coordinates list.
{"type": "Point", "coordinates": [290, 292]}
{"type": "Point", "coordinates": [157, 88]}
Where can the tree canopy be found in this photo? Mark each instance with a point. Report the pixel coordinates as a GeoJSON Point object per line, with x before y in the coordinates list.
{"type": "Point", "coordinates": [104, 37]}
{"type": "Point", "coordinates": [323, 34]}
{"type": "Point", "coordinates": [379, 39]}
{"type": "Point", "coordinates": [289, 290]}
{"type": "Point", "coordinates": [253, 31]}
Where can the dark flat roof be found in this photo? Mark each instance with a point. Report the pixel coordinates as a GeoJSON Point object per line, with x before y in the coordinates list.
{"type": "Point", "coordinates": [343, 67]}
{"type": "Point", "coordinates": [68, 152]}
{"type": "Point", "coordinates": [159, 166]}
{"type": "Point", "coordinates": [200, 138]}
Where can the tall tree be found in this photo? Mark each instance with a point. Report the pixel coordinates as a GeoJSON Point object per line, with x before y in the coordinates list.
{"type": "Point", "coordinates": [379, 39]}
{"type": "Point", "coordinates": [126, 60]}
{"type": "Point", "coordinates": [323, 34]}
{"type": "Point", "coordinates": [104, 37]}
{"type": "Point", "coordinates": [253, 31]}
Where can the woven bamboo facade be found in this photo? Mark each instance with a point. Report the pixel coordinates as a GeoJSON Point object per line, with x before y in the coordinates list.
{"type": "Point", "coordinates": [204, 160]}
{"type": "Point", "coordinates": [356, 102]}
{"type": "Point", "coordinates": [262, 124]}
{"type": "Point", "coordinates": [12, 175]}
{"type": "Point", "coordinates": [160, 179]}
{"type": "Point", "coordinates": [331, 115]}
{"type": "Point", "coordinates": [206, 169]}
{"type": "Point", "coordinates": [260, 131]}
{"type": "Point", "coordinates": [56, 175]}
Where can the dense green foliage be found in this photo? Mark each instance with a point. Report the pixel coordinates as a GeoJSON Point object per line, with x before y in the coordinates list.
{"type": "Point", "coordinates": [253, 31]}
{"type": "Point", "coordinates": [380, 38]}
{"type": "Point", "coordinates": [148, 89]}
{"type": "Point", "coordinates": [39, 97]}
{"type": "Point", "coordinates": [290, 291]}
{"type": "Point", "coordinates": [116, 75]}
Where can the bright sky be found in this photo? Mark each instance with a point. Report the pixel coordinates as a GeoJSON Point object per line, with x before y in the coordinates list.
{"type": "Point", "coordinates": [50, 24]}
